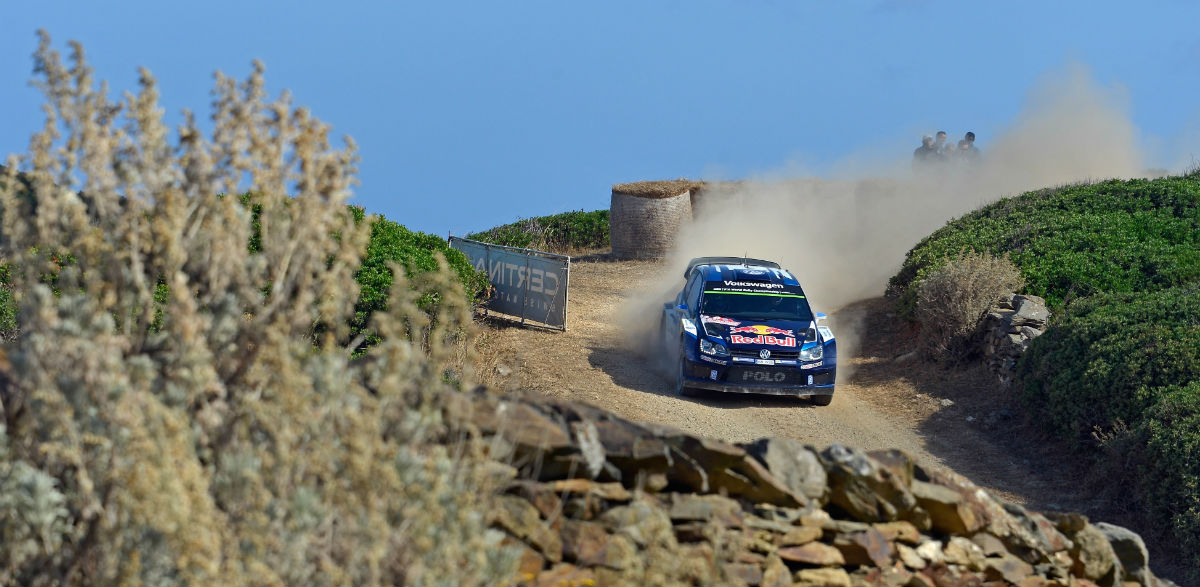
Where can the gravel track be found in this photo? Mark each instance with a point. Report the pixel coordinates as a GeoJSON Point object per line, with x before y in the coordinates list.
{"type": "Point", "coordinates": [884, 399]}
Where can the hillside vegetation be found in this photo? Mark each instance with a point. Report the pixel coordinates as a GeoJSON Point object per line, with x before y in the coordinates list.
{"type": "Point", "coordinates": [564, 233]}
{"type": "Point", "coordinates": [1118, 372]}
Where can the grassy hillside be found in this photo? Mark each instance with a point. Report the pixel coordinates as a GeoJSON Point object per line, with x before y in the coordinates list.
{"type": "Point", "coordinates": [1073, 241]}
{"type": "Point", "coordinates": [564, 233]}
{"type": "Point", "coordinates": [1117, 374]}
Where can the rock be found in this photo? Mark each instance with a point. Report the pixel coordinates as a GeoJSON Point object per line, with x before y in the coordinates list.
{"type": "Point", "coordinates": [989, 544]}
{"type": "Point", "coordinates": [865, 490]}
{"type": "Point", "coordinates": [537, 433]}
{"type": "Point", "coordinates": [793, 464]}
{"type": "Point", "coordinates": [589, 544]}
{"type": "Point", "coordinates": [931, 551]}
{"type": "Point", "coordinates": [961, 551]}
{"type": "Point", "coordinates": [775, 573]}
{"type": "Point", "coordinates": [695, 565]}
{"type": "Point", "coordinates": [540, 495]}
{"type": "Point", "coordinates": [566, 574]}
{"type": "Point", "coordinates": [800, 535]}
{"type": "Point", "coordinates": [1031, 311]}
{"type": "Point", "coordinates": [749, 479]}
{"type": "Point", "coordinates": [865, 548]}
{"type": "Point", "coordinates": [946, 402]}
{"type": "Point", "coordinates": [706, 508]}
{"type": "Point", "coordinates": [643, 522]}
{"type": "Point", "coordinates": [1092, 553]}
{"type": "Point", "coordinates": [821, 578]}
{"type": "Point", "coordinates": [843, 526]}
{"type": "Point", "coordinates": [909, 557]}
{"type": "Point", "coordinates": [814, 553]}
{"type": "Point", "coordinates": [1069, 522]}
{"type": "Point", "coordinates": [742, 574]}
{"type": "Point", "coordinates": [770, 525]}
{"type": "Point", "coordinates": [694, 532]}
{"type": "Point", "coordinates": [1130, 550]}
{"type": "Point", "coordinates": [609, 491]}
{"type": "Point", "coordinates": [529, 562]}
{"type": "Point", "coordinates": [1007, 568]}
{"type": "Point", "coordinates": [948, 514]}
{"type": "Point", "coordinates": [899, 532]}
{"type": "Point", "coordinates": [522, 520]}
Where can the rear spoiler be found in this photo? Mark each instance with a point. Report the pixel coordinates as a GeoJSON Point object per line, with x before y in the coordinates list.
{"type": "Point", "coordinates": [727, 261]}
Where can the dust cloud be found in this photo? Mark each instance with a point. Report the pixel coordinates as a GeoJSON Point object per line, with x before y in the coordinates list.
{"type": "Point", "coordinates": [843, 238]}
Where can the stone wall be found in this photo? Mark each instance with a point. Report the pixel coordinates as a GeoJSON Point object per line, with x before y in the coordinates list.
{"type": "Point", "coordinates": [646, 227]}
{"type": "Point", "coordinates": [1008, 329]}
{"type": "Point", "coordinates": [589, 498]}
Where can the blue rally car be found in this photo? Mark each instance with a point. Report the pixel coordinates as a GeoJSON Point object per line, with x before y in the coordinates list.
{"type": "Point", "coordinates": [744, 325]}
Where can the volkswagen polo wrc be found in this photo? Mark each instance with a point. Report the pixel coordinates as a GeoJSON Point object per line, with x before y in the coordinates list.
{"type": "Point", "coordinates": [745, 326]}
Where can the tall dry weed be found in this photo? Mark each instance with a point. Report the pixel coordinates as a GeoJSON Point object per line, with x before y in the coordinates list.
{"type": "Point", "coordinates": [168, 416]}
{"type": "Point", "coordinates": [953, 299]}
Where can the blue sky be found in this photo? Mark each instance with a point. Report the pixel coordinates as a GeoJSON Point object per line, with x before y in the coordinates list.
{"type": "Point", "coordinates": [473, 114]}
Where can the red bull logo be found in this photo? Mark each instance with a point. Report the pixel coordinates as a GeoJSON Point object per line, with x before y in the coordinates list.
{"type": "Point", "coordinates": [761, 330]}
{"type": "Point", "coordinates": [771, 340]}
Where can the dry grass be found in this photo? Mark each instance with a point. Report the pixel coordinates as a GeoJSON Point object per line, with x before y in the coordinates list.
{"type": "Point", "coordinates": [657, 189]}
{"type": "Point", "coordinates": [178, 410]}
{"type": "Point", "coordinates": [953, 300]}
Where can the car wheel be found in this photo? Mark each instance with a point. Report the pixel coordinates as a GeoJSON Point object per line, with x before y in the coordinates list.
{"type": "Point", "coordinates": [822, 400]}
{"type": "Point", "coordinates": [680, 383]}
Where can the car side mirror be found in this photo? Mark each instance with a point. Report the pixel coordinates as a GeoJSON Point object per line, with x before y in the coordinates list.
{"type": "Point", "coordinates": [821, 317]}
{"type": "Point", "coordinates": [681, 307]}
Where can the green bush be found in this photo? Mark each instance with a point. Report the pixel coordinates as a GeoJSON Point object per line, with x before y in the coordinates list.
{"type": "Point", "coordinates": [1079, 240]}
{"type": "Point", "coordinates": [1111, 358]}
{"type": "Point", "coordinates": [1170, 471]}
{"type": "Point", "coordinates": [416, 253]}
{"type": "Point", "coordinates": [559, 233]}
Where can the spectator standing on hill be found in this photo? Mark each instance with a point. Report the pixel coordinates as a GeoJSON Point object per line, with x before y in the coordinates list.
{"type": "Point", "coordinates": [939, 143]}
{"type": "Point", "coordinates": [925, 154]}
{"type": "Point", "coordinates": [967, 147]}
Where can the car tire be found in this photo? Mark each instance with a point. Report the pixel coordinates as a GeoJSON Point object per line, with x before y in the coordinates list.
{"type": "Point", "coordinates": [822, 400]}
{"type": "Point", "coordinates": [681, 388]}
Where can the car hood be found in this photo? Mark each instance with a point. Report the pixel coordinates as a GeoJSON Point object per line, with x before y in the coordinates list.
{"type": "Point", "coordinates": [757, 333]}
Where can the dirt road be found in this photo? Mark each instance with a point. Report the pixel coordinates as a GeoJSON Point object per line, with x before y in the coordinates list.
{"type": "Point", "coordinates": [884, 399]}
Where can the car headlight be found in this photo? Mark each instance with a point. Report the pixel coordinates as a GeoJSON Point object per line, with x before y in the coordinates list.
{"type": "Point", "coordinates": [709, 347]}
{"type": "Point", "coordinates": [812, 353]}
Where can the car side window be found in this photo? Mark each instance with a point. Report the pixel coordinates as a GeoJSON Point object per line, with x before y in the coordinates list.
{"type": "Point", "coordinates": [694, 289]}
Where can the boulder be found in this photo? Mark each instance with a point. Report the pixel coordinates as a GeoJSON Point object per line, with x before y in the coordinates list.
{"type": "Point", "coordinates": [1092, 554]}
{"type": "Point", "coordinates": [1130, 550]}
{"type": "Point", "coordinates": [947, 511]}
{"type": "Point", "coordinates": [796, 466]}
{"type": "Point", "coordinates": [865, 490]}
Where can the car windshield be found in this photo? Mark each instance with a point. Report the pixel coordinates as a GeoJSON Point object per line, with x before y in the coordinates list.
{"type": "Point", "coordinates": [756, 306]}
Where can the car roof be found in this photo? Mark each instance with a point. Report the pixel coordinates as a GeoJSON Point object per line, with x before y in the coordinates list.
{"type": "Point", "coordinates": [748, 271]}
{"type": "Point", "coordinates": [726, 261]}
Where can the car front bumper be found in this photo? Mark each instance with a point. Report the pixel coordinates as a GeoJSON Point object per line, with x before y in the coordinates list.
{"type": "Point", "coordinates": [791, 381]}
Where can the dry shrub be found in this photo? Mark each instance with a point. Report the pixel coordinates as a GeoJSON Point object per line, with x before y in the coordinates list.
{"type": "Point", "coordinates": [168, 416]}
{"type": "Point", "coordinates": [953, 299]}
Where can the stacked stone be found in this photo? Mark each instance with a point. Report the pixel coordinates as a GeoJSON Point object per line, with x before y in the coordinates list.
{"type": "Point", "coordinates": [645, 217]}
{"type": "Point", "coordinates": [1008, 329]}
{"type": "Point", "coordinates": [591, 499]}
